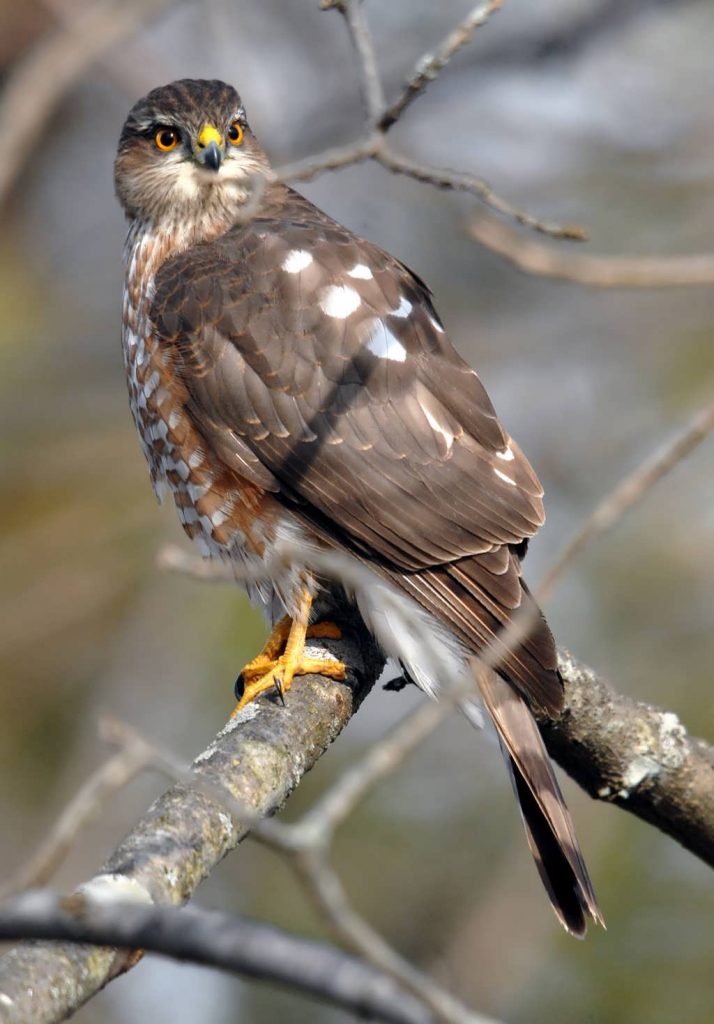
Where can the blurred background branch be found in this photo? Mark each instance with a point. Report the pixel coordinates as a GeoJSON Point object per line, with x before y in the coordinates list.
{"type": "Point", "coordinates": [532, 257]}
{"type": "Point", "coordinates": [43, 76]}
{"type": "Point", "coordinates": [239, 945]}
{"type": "Point", "coordinates": [249, 770]}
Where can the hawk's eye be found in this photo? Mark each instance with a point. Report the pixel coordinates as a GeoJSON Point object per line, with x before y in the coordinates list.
{"type": "Point", "coordinates": [166, 139]}
{"type": "Point", "coordinates": [235, 134]}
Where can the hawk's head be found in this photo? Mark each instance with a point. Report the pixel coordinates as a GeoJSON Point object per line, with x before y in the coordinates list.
{"type": "Point", "coordinates": [186, 150]}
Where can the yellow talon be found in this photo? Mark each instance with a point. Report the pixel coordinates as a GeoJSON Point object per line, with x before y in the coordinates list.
{"type": "Point", "coordinates": [272, 670]}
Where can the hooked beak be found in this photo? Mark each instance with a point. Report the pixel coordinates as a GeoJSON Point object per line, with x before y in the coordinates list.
{"type": "Point", "coordinates": [209, 147]}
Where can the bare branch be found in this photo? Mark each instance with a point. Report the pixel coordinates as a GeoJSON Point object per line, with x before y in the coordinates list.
{"type": "Point", "coordinates": [665, 777]}
{"type": "Point", "coordinates": [326, 890]}
{"type": "Point", "coordinates": [111, 777]}
{"type": "Point", "coordinates": [331, 160]}
{"type": "Point", "coordinates": [258, 759]}
{"type": "Point", "coordinates": [430, 65]}
{"type": "Point", "coordinates": [635, 755]}
{"type": "Point", "coordinates": [382, 759]}
{"type": "Point", "coordinates": [533, 257]}
{"type": "Point", "coordinates": [232, 943]}
{"type": "Point", "coordinates": [371, 83]}
{"type": "Point", "coordinates": [629, 491]}
{"type": "Point", "coordinates": [463, 182]}
{"type": "Point", "coordinates": [37, 85]}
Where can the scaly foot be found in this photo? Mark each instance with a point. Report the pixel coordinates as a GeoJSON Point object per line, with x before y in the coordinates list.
{"type": "Point", "coordinates": [274, 670]}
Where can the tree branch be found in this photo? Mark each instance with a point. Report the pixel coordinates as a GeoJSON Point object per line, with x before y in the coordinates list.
{"type": "Point", "coordinates": [465, 182]}
{"type": "Point", "coordinates": [430, 65]}
{"type": "Point", "coordinates": [256, 762]}
{"type": "Point", "coordinates": [232, 943]}
{"type": "Point", "coordinates": [629, 491]}
{"type": "Point", "coordinates": [635, 755]}
{"type": "Point", "coordinates": [370, 80]}
{"type": "Point", "coordinates": [43, 77]}
{"type": "Point", "coordinates": [619, 750]}
{"type": "Point", "coordinates": [111, 777]}
{"type": "Point", "coordinates": [533, 257]}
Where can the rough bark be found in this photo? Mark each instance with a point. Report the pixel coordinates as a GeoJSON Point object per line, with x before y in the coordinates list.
{"type": "Point", "coordinates": [258, 759]}
{"type": "Point", "coordinates": [619, 750]}
{"type": "Point", "coordinates": [635, 755]}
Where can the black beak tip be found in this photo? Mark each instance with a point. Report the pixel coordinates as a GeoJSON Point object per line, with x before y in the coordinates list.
{"type": "Point", "coordinates": [212, 156]}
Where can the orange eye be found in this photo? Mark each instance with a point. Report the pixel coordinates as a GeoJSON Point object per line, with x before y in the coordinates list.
{"type": "Point", "coordinates": [235, 134]}
{"type": "Point", "coordinates": [166, 139]}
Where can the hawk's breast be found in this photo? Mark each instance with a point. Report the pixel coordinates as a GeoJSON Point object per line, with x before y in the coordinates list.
{"type": "Point", "coordinates": [225, 515]}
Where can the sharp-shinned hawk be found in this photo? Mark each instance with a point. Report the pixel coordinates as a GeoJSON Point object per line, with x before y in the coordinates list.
{"type": "Point", "coordinates": [293, 383]}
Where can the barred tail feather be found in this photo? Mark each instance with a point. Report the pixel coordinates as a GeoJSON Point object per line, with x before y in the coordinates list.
{"type": "Point", "coordinates": [548, 825]}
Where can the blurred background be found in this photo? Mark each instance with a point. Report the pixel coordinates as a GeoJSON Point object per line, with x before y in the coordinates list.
{"type": "Point", "coordinates": [578, 110]}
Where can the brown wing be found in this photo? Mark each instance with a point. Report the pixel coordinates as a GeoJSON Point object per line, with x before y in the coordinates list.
{"type": "Point", "coordinates": [324, 356]}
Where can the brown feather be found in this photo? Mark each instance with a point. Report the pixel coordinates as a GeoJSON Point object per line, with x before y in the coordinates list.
{"type": "Point", "coordinates": [238, 340]}
{"type": "Point", "coordinates": [286, 365]}
{"type": "Point", "coordinates": [547, 821]}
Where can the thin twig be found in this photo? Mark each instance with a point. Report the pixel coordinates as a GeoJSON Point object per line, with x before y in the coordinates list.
{"type": "Point", "coordinates": [109, 779]}
{"type": "Point", "coordinates": [430, 65]}
{"type": "Point", "coordinates": [330, 160]}
{"type": "Point", "coordinates": [329, 896]}
{"type": "Point", "coordinates": [232, 943]}
{"type": "Point", "coordinates": [629, 491]}
{"type": "Point", "coordinates": [374, 145]}
{"type": "Point", "coordinates": [258, 759]}
{"type": "Point", "coordinates": [370, 80]}
{"type": "Point", "coordinates": [460, 181]}
{"type": "Point", "coordinates": [382, 759]}
{"type": "Point", "coordinates": [532, 257]}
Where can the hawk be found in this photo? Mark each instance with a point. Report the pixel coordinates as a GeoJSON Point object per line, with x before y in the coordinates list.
{"type": "Point", "coordinates": [293, 383]}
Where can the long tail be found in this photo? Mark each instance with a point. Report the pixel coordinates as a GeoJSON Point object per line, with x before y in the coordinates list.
{"type": "Point", "coordinates": [547, 822]}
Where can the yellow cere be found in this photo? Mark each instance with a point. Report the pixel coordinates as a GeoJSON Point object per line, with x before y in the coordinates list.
{"type": "Point", "coordinates": [209, 134]}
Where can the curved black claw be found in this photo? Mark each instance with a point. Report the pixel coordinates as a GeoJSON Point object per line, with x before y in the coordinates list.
{"type": "Point", "coordinates": [239, 688]}
{"type": "Point", "coordinates": [279, 688]}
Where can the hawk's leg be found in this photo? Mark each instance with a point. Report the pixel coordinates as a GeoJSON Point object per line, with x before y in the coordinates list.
{"type": "Point", "coordinates": [273, 670]}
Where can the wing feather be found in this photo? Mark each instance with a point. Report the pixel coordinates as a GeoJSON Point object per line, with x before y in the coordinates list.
{"type": "Point", "coordinates": [403, 450]}
{"type": "Point", "coordinates": [338, 383]}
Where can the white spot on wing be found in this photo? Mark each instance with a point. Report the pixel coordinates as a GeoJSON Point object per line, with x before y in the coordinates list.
{"type": "Point", "coordinates": [361, 271]}
{"type": "Point", "coordinates": [507, 454]}
{"type": "Point", "coordinates": [339, 300]}
{"type": "Point", "coordinates": [296, 260]}
{"type": "Point", "coordinates": [385, 345]}
{"type": "Point", "coordinates": [506, 479]}
{"type": "Point", "coordinates": [439, 427]}
{"type": "Point", "coordinates": [403, 309]}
